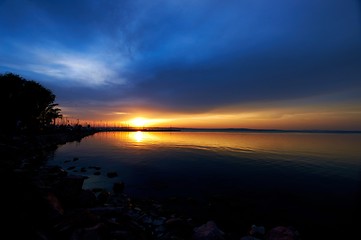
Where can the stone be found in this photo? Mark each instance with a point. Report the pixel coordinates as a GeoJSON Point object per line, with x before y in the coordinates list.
{"type": "Point", "coordinates": [112, 174]}
{"type": "Point", "coordinates": [87, 198]}
{"type": "Point", "coordinates": [118, 187]}
{"type": "Point", "coordinates": [69, 188]}
{"type": "Point", "coordinates": [103, 197]}
{"type": "Point", "coordinates": [208, 231]}
{"type": "Point", "coordinates": [282, 233]}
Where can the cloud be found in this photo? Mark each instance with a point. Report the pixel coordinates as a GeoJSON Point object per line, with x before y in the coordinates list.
{"type": "Point", "coordinates": [71, 68]}
{"type": "Point", "coordinates": [197, 59]}
{"type": "Point", "coordinates": [81, 69]}
{"type": "Point", "coordinates": [184, 56]}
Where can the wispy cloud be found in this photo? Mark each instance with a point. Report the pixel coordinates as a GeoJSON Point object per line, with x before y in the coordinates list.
{"type": "Point", "coordinates": [73, 68]}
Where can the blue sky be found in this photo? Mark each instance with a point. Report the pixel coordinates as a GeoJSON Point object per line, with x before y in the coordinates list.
{"type": "Point", "coordinates": [113, 60]}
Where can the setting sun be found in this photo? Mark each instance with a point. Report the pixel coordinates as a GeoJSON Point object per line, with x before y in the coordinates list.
{"type": "Point", "coordinates": [138, 122]}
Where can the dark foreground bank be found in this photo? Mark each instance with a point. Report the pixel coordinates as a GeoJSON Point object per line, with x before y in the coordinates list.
{"type": "Point", "coordinates": [49, 203]}
{"type": "Point", "coordinates": [21, 158]}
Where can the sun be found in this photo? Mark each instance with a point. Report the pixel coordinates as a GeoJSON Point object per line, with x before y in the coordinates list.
{"type": "Point", "coordinates": [138, 122]}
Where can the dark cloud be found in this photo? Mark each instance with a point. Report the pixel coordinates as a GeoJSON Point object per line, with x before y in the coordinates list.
{"type": "Point", "coordinates": [213, 84]}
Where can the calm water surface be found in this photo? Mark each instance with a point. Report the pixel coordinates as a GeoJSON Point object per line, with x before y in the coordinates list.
{"type": "Point", "coordinates": [282, 175]}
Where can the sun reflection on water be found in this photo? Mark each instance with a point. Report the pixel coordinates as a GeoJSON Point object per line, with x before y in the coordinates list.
{"type": "Point", "coordinates": [138, 136]}
{"type": "Point", "coordinates": [141, 137]}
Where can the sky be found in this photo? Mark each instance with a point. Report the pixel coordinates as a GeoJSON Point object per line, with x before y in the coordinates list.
{"type": "Point", "coordinates": [208, 63]}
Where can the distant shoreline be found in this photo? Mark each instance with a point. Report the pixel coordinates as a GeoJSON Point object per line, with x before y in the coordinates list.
{"type": "Point", "coordinates": [250, 130]}
{"type": "Point", "coordinates": [272, 130]}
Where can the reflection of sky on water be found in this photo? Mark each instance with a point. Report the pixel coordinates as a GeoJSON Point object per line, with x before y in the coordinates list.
{"type": "Point", "coordinates": [131, 153]}
{"type": "Point", "coordinates": [331, 145]}
{"type": "Point", "coordinates": [293, 173]}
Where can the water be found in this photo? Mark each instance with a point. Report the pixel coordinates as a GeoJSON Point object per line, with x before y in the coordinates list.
{"type": "Point", "coordinates": [304, 179]}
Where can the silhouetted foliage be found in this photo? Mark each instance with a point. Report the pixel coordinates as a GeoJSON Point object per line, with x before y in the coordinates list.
{"type": "Point", "coordinates": [25, 104]}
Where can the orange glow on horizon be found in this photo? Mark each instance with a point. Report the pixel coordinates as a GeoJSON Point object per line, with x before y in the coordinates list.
{"type": "Point", "coordinates": [277, 118]}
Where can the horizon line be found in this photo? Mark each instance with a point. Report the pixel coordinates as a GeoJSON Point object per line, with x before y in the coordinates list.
{"type": "Point", "coordinates": [229, 129]}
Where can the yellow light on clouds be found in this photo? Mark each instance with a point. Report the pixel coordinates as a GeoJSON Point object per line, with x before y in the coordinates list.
{"type": "Point", "coordinates": [146, 122]}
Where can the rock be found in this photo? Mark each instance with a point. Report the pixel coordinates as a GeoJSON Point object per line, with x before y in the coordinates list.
{"type": "Point", "coordinates": [97, 190]}
{"type": "Point", "coordinates": [56, 170]}
{"type": "Point", "coordinates": [179, 227]}
{"type": "Point", "coordinates": [249, 238]}
{"type": "Point", "coordinates": [68, 188]}
{"type": "Point", "coordinates": [257, 230]}
{"type": "Point", "coordinates": [208, 231]}
{"type": "Point", "coordinates": [256, 233]}
{"type": "Point", "coordinates": [87, 198]}
{"type": "Point", "coordinates": [91, 233]}
{"type": "Point", "coordinates": [109, 211]}
{"type": "Point", "coordinates": [103, 197]}
{"type": "Point", "coordinates": [77, 218]}
{"type": "Point", "coordinates": [283, 233]}
{"type": "Point", "coordinates": [55, 209]}
{"type": "Point", "coordinates": [118, 187]}
{"type": "Point", "coordinates": [94, 167]}
{"type": "Point", "coordinates": [112, 174]}
{"type": "Point", "coordinates": [158, 221]}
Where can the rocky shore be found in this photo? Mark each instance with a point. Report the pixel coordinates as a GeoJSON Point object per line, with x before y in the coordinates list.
{"type": "Point", "coordinates": [48, 202]}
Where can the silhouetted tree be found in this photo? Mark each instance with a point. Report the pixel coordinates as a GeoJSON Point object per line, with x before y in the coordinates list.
{"type": "Point", "coordinates": [26, 105]}
{"type": "Point", "coordinates": [50, 114]}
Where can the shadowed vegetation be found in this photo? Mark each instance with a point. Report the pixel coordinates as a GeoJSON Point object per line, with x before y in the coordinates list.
{"type": "Point", "coordinates": [27, 106]}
